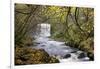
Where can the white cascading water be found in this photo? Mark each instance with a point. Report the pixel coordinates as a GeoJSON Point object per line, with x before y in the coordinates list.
{"type": "Point", "coordinates": [55, 48]}
{"type": "Point", "coordinates": [43, 30]}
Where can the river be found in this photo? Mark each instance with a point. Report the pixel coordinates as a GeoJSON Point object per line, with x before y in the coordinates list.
{"type": "Point", "coordinates": [56, 48]}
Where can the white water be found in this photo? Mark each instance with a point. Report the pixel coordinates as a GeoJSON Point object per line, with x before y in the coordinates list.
{"type": "Point", "coordinates": [43, 30]}
{"type": "Point", "coordinates": [55, 48]}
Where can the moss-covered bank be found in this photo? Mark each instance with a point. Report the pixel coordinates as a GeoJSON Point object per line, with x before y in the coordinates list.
{"type": "Point", "coordinates": [86, 46]}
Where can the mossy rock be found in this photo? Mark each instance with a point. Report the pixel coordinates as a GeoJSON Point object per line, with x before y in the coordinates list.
{"type": "Point", "coordinates": [88, 46]}
{"type": "Point", "coordinates": [25, 56]}
{"type": "Point", "coordinates": [53, 60]}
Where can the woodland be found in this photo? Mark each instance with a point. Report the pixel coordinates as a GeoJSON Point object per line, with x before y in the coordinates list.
{"type": "Point", "coordinates": [72, 25]}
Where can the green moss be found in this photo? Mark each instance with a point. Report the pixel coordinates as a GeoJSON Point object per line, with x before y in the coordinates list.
{"type": "Point", "coordinates": [25, 56]}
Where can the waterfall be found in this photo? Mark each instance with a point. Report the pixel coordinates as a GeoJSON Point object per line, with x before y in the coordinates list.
{"type": "Point", "coordinates": [43, 30]}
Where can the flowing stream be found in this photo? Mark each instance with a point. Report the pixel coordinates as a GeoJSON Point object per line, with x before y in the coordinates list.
{"type": "Point", "coordinates": [56, 48]}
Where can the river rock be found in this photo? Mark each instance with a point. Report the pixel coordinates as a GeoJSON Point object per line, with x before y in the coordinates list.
{"type": "Point", "coordinates": [67, 56]}
{"type": "Point", "coordinates": [81, 55]}
{"type": "Point", "coordinates": [91, 56]}
{"type": "Point", "coordinates": [74, 51]}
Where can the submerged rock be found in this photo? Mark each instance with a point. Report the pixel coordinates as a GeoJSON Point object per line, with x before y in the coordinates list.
{"type": "Point", "coordinates": [25, 56]}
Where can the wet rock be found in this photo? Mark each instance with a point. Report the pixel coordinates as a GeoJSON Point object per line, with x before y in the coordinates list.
{"type": "Point", "coordinates": [67, 56]}
{"type": "Point", "coordinates": [73, 51]}
{"type": "Point", "coordinates": [91, 56]}
{"type": "Point", "coordinates": [81, 55]}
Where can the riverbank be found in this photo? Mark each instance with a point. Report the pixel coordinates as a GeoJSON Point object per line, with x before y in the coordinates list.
{"type": "Point", "coordinates": [86, 46]}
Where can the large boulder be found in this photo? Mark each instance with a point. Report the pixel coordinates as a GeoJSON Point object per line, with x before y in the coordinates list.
{"type": "Point", "coordinates": [25, 56]}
